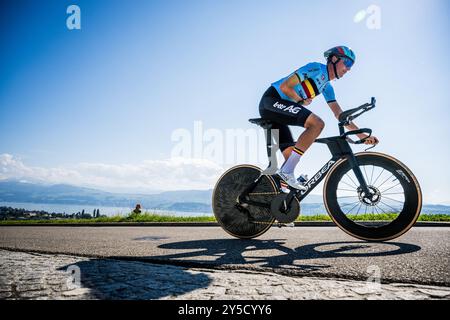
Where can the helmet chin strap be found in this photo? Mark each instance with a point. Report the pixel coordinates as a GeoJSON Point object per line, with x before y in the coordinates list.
{"type": "Point", "coordinates": [334, 67]}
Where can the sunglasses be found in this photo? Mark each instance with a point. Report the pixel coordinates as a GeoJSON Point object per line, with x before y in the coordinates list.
{"type": "Point", "coordinates": [347, 62]}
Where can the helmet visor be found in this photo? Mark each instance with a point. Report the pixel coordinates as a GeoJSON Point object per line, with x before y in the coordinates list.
{"type": "Point", "coordinates": [347, 62]}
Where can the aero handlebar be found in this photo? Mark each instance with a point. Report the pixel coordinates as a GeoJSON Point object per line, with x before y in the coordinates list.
{"type": "Point", "coordinates": [363, 130]}
{"type": "Point", "coordinates": [347, 116]}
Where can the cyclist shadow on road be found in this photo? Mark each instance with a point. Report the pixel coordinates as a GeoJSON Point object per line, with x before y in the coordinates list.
{"type": "Point", "coordinates": [128, 279]}
{"type": "Point", "coordinates": [260, 253]}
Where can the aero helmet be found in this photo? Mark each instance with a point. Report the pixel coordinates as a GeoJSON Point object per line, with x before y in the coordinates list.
{"type": "Point", "coordinates": [340, 52]}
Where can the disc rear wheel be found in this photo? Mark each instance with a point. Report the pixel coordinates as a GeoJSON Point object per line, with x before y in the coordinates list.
{"type": "Point", "coordinates": [247, 221]}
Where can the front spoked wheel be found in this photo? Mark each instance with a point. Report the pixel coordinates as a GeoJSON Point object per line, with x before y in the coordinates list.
{"type": "Point", "coordinates": [389, 210]}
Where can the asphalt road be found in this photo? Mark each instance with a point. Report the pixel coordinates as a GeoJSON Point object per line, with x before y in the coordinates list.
{"type": "Point", "coordinates": [421, 256]}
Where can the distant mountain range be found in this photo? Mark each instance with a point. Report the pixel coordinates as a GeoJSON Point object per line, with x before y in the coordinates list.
{"type": "Point", "coordinates": [187, 201]}
{"type": "Point", "coordinates": [16, 191]}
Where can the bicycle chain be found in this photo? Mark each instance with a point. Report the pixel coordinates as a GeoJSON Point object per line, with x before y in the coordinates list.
{"type": "Point", "coordinates": [264, 194]}
{"type": "Point", "coordinates": [262, 222]}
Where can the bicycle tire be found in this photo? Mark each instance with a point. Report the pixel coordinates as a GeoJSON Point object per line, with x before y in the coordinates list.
{"type": "Point", "coordinates": [404, 218]}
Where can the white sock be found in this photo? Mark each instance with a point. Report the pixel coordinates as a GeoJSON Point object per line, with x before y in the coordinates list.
{"type": "Point", "coordinates": [290, 164]}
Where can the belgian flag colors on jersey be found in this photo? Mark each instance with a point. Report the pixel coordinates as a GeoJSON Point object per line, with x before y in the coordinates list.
{"type": "Point", "coordinates": [313, 81]}
{"type": "Point", "coordinates": [310, 88]}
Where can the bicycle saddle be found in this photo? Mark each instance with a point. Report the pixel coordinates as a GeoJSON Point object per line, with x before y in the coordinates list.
{"type": "Point", "coordinates": [264, 123]}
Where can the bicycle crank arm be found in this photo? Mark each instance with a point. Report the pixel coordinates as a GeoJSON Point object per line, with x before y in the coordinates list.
{"type": "Point", "coordinates": [246, 202]}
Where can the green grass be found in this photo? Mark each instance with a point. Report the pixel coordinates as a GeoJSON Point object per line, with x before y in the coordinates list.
{"type": "Point", "coordinates": [378, 217]}
{"type": "Point", "coordinates": [319, 217]}
{"type": "Point", "coordinates": [359, 217]}
{"type": "Point", "coordinates": [151, 217]}
{"type": "Point", "coordinates": [132, 218]}
{"type": "Point", "coordinates": [434, 217]}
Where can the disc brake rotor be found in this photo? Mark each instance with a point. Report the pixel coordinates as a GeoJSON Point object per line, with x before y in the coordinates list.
{"type": "Point", "coordinates": [372, 199]}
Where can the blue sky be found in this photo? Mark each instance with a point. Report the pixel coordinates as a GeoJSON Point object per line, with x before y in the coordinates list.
{"type": "Point", "coordinates": [98, 106]}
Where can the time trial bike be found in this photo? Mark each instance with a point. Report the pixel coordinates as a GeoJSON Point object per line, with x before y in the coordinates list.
{"type": "Point", "coordinates": [369, 195]}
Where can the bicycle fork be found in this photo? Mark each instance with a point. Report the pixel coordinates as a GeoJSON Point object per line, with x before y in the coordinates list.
{"type": "Point", "coordinates": [358, 173]}
{"type": "Point", "coordinates": [340, 148]}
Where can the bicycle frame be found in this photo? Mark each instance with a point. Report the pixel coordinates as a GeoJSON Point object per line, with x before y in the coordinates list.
{"type": "Point", "coordinates": [339, 148]}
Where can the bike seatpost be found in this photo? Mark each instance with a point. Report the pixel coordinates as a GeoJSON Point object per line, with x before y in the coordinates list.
{"type": "Point", "coordinates": [272, 149]}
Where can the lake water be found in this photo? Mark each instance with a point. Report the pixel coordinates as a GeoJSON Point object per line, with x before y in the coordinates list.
{"type": "Point", "coordinates": [108, 211]}
{"type": "Point", "coordinates": [306, 209]}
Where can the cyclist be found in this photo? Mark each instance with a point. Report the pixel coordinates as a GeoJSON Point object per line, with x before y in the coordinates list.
{"type": "Point", "coordinates": [284, 104]}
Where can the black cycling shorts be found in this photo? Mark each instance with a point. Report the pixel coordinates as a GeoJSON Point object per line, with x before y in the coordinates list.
{"type": "Point", "coordinates": [282, 113]}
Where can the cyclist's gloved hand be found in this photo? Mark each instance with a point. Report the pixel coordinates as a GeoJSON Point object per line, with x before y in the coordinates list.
{"type": "Point", "coordinates": [372, 140]}
{"type": "Point", "coordinates": [305, 102]}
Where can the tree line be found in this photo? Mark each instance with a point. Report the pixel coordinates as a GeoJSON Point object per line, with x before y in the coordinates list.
{"type": "Point", "coordinates": [9, 213]}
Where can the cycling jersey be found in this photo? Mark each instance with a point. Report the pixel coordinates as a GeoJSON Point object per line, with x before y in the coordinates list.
{"type": "Point", "coordinates": [314, 80]}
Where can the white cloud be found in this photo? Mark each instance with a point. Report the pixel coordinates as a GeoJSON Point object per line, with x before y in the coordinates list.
{"type": "Point", "coordinates": [146, 177]}
{"type": "Point", "coordinates": [150, 175]}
